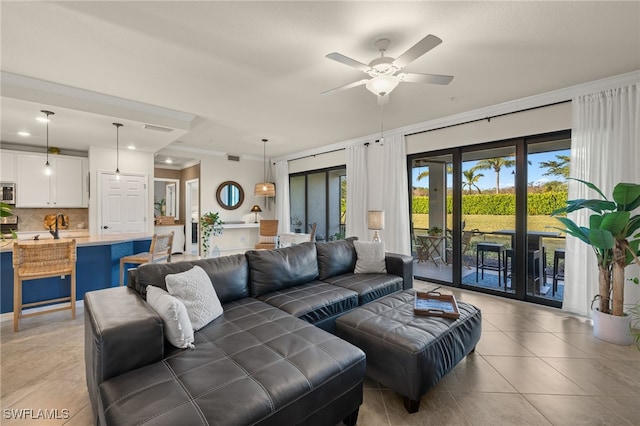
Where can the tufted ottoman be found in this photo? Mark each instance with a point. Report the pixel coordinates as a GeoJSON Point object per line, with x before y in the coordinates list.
{"type": "Point", "coordinates": [405, 352]}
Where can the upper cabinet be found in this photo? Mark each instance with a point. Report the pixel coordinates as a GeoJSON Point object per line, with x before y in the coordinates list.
{"type": "Point", "coordinates": [7, 167]}
{"type": "Point", "coordinates": [65, 187]}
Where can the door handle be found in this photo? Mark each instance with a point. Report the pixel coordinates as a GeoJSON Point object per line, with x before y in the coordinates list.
{"type": "Point", "coordinates": [105, 227]}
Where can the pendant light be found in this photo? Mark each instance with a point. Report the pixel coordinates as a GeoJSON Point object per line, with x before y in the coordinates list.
{"type": "Point", "coordinates": [264, 188]}
{"type": "Point", "coordinates": [118, 125]}
{"type": "Point", "coordinates": [47, 166]}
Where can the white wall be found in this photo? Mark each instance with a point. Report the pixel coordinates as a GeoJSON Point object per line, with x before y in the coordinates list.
{"type": "Point", "coordinates": [104, 160]}
{"type": "Point", "coordinates": [215, 169]}
{"type": "Point", "coordinates": [525, 123]}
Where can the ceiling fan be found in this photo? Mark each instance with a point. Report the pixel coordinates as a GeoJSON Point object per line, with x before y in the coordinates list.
{"type": "Point", "coordinates": [385, 71]}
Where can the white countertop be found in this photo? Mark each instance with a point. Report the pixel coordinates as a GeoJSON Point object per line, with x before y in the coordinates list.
{"type": "Point", "coordinates": [82, 238]}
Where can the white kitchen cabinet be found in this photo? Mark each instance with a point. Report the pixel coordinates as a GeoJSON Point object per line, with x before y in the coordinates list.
{"type": "Point", "coordinates": [178, 236]}
{"type": "Point", "coordinates": [7, 167]}
{"type": "Point", "coordinates": [63, 188]}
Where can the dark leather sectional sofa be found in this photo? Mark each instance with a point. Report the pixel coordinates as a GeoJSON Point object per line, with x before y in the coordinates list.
{"type": "Point", "coordinates": [270, 359]}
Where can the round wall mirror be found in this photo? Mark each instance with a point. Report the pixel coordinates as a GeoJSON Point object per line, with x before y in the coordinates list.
{"type": "Point", "coordinates": [230, 195]}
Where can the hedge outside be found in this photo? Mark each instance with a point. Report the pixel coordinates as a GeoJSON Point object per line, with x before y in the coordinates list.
{"type": "Point", "coordinates": [543, 203]}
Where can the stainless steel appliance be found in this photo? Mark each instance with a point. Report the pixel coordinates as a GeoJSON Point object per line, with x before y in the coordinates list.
{"type": "Point", "coordinates": [8, 192]}
{"type": "Point", "coordinates": [8, 224]}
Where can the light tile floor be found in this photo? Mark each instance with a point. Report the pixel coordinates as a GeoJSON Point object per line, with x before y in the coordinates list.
{"type": "Point", "coordinates": [533, 366]}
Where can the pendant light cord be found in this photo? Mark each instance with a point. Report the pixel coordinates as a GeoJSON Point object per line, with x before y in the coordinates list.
{"type": "Point", "coordinates": [47, 113]}
{"type": "Point", "coordinates": [118, 125]}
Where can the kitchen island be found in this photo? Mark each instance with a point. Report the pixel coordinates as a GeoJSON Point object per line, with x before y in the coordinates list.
{"type": "Point", "coordinates": [98, 266]}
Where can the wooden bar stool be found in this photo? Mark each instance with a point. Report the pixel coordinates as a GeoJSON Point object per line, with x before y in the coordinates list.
{"type": "Point", "coordinates": [160, 249]}
{"type": "Point", "coordinates": [42, 259]}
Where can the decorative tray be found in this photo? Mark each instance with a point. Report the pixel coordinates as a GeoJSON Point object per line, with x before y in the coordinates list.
{"type": "Point", "coordinates": [436, 305]}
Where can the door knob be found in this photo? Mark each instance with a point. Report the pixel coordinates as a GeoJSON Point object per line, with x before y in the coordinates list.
{"type": "Point", "coordinates": [105, 227]}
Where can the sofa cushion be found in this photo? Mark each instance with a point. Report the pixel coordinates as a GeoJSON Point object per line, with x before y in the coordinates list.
{"type": "Point", "coordinates": [273, 270]}
{"type": "Point", "coordinates": [312, 302]}
{"type": "Point", "coordinates": [255, 362]}
{"type": "Point", "coordinates": [370, 257]}
{"type": "Point", "coordinates": [335, 257]}
{"type": "Point", "coordinates": [177, 325]}
{"type": "Point", "coordinates": [195, 290]}
{"type": "Point", "coordinates": [368, 286]}
{"type": "Point", "coordinates": [229, 275]}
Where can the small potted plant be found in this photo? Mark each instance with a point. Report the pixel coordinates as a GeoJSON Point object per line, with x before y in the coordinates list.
{"type": "Point", "coordinates": [614, 236]}
{"type": "Point", "coordinates": [434, 231]}
{"type": "Point", "coordinates": [211, 225]}
{"type": "Point", "coordinates": [297, 224]}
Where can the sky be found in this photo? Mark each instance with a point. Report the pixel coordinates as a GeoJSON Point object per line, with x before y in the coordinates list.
{"type": "Point", "coordinates": [506, 176]}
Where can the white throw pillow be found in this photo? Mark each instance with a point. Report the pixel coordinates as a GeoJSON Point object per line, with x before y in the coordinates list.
{"type": "Point", "coordinates": [195, 290]}
{"type": "Point", "coordinates": [370, 258]}
{"type": "Point", "coordinates": [177, 325]}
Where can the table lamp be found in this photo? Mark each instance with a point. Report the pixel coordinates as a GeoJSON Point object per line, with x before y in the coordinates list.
{"type": "Point", "coordinates": [376, 223]}
{"type": "Point", "coordinates": [256, 209]}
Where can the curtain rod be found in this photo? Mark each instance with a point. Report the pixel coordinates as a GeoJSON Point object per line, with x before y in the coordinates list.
{"type": "Point", "coordinates": [488, 118]}
{"type": "Point", "coordinates": [321, 153]}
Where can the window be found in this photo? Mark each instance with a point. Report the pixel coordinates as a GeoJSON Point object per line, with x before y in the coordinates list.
{"type": "Point", "coordinates": [319, 196]}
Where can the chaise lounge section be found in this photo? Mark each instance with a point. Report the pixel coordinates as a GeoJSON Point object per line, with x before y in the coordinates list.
{"type": "Point", "coordinates": [267, 360]}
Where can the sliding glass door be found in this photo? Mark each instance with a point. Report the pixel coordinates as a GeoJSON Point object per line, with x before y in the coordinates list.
{"type": "Point", "coordinates": [481, 216]}
{"type": "Point", "coordinates": [431, 216]}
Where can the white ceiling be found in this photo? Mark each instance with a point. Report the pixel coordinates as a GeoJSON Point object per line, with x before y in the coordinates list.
{"type": "Point", "coordinates": [224, 75]}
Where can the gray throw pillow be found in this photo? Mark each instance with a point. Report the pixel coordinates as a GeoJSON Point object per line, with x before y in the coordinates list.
{"type": "Point", "coordinates": [370, 258]}
{"type": "Point", "coordinates": [177, 325]}
{"type": "Point", "coordinates": [195, 290]}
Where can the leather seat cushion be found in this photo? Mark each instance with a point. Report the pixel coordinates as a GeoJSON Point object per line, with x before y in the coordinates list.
{"type": "Point", "coordinates": [313, 301]}
{"type": "Point", "coordinates": [426, 347]}
{"type": "Point", "coordinates": [253, 362]}
{"type": "Point", "coordinates": [368, 286]}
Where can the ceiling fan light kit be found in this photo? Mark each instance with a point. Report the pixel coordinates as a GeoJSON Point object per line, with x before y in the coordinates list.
{"type": "Point", "coordinates": [385, 71]}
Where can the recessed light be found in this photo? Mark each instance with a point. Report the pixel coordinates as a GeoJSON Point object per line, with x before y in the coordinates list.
{"type": "Point", "coordinates": [168, 161]}
{"type": "Point", "coordinates": [23, 133]}
{"type": "Point", "coordinates": [131, 147]}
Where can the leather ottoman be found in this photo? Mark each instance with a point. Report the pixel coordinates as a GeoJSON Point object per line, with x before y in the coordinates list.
{"type": "Point", "coordinates": [405, 352]}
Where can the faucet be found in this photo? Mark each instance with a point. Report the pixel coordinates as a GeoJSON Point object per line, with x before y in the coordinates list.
{"type": "Point", "coordinates": [56, 235]}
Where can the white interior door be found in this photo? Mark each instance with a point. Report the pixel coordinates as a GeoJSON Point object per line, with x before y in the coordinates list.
{"type": "Point", "coordinates": [123, 203]}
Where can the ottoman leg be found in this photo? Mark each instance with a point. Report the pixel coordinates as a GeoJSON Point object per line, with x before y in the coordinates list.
{"type": "Point", "coordinates": [411, 405]}
{"type": "Point", "coordinates": [351, 419]}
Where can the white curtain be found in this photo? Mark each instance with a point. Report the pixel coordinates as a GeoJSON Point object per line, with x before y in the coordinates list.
{"type": "Point", "coordinates": [282, 196]}
{"type": "Point", "coordinates": [605, 150]}
{"type": "Point", "coordinates": [395, 196]}
{"type": "Point", "coordinates": [357, 190]}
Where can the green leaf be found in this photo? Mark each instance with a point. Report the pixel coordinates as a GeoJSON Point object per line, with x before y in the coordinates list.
{"type": "Point", "coordinates": [597, 206]}
{"type": "Point", "coordinates": [615, 223]}
{"type": "Point", "coordinates": [574, 230]}
{"type": "Point", "coordinates": [602, 239]}
{"type": "Point", "coordinates": [626, 195]}
{"type": "Point", "coordinates": [592, 186]}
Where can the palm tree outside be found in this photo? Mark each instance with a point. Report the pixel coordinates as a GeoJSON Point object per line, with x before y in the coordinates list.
{"type": "Point", "coordinates": [495, 164]}
{"type": "Point", "coordinates": [471, 180]}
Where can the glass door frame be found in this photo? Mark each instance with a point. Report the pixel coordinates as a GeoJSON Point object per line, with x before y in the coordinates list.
{"type": "Point", "coordinates": [520, 240]}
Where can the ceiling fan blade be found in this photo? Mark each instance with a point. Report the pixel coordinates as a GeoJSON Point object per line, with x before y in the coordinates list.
{"type": "Point", "coordinates": [346, 86]}
{"type": "Point", "coordinates": [348, 61]}
{"type": "Point", "coordinates": [425, 78]}
{"type": "Point", "coordinates": [417, 50]}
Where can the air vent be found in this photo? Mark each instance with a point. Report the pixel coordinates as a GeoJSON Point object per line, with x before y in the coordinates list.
{"type": "Point", "coordinates": [157, 128]}
{"type": "Point", "coordinates": [233, 157]}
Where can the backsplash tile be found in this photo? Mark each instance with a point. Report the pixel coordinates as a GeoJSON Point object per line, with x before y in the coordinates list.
{"type": "Point", "coordinates": [33, 219]}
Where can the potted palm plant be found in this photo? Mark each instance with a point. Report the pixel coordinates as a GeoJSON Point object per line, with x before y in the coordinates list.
{"type": "Point", "coordinates": [614, 236]}
{"type": "Point", "coordinates": [211, 224]}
